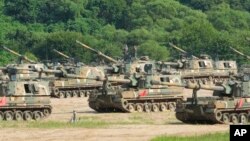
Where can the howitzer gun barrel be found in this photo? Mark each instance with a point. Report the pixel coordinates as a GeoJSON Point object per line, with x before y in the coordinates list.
{"type": "Point", "coordinates": [97, 52]}
{"type": "Point", "coordinates": [12, 51]}
{"type": "Point", "coordinates": [240, 53]}
{"type": "Point", "coordinates": [191, 86]}
{"type": "Point", "coordinates": [19, 55]}
{"type": "Point", "coordinates": [153, 82]}
{"type": "Point", "coordinates": [125, 81]}
{"type": "Point", "coordinates": [204, 87]}
{"type": "Point", "coordinates": [49, 71]}
{"type": "Point", "coordinates": [174, 46]}
{"type": "Point", "coordinates": [62, 54]}
{"type": "Point", "coordinates": [181, 50]}
{"type": "Point", "coordinates": [170, 63]}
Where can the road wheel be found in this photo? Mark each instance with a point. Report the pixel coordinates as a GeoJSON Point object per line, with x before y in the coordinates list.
{"type": "Point", "coordinates": [139, 108]}
{"type": "Point", "coordinates": [243, 118]}
{"type": "Point", "coordinates": [56, 92]}
{"type": "Point", "coordinates": [37, 115]}
{"type": "Point", "coordinates": [61, 95]}
{"type": "Point", "coordinates": [234, 118]}
{"type": "Point", "coordinates": [147, 108]}
{"type": "Point", "coordinates": [67, 94]}
{"type": "Point", "coordinates": [8, 115]}
{"type": "Point", "coordinates": [81, 94]}
{"type": "Point", "coordinates": [171, 106]}
{"type": "Point", "coordinates": [1, 116]}
{"type": "Point", "coordinates": [226, 118]}
{"type": "Point", "coordinates": [155, 108]}
{"type": "Point", "coordinates": [27, 115]}
{"type": "Point", "coordinates": [46, 112]}
{"type": "Point", "coordinates": [218, 116]}
{"type": "Point", "coordinates": [74, 94]}
{"type": "Point", "coordinates": [163, 107]}
{"type": "Point", "coordinates": [18, 115]}
{"type": "Point", "coordinates": [131, 108]}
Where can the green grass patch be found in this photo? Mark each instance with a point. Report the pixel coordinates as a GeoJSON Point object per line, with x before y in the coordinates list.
{"type": "Point", "coordinates": [83, 123]}
{"type": "Point", "coordinates": [91, 121]}
{"type": "Point", "coordinates": [206, 137]}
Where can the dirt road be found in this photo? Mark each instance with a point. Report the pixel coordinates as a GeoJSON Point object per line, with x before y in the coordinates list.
{"type": "Point", "coordinates": [113, 133]}
{"type": "Point", "coordinates": [135, 126]}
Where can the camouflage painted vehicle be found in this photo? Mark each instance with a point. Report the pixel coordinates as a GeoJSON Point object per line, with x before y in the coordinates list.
{"type": "Point", "coordinates": [24, 99]}
{"type": "Point", "coordinates": [140, 95]}
{"type": "Point", "coordinates": [200, 69]}
{"type": "Point", "coordinates": [137, 92]}
{"type": "Point", "coordinates": [66, 87]}
{"type": "Point", "coordinates": [230, 103]}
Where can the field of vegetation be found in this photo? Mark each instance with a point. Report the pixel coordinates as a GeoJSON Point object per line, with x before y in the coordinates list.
{"type": "Point", "coordinates": [35, 27]}
{"type": "Point", "coordinates": [206, 137]}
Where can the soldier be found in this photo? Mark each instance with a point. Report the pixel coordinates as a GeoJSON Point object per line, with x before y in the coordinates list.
{"type": "Point", "coordinates": [74, 117]}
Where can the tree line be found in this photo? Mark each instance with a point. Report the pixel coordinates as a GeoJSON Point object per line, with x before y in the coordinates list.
{"type": "Point", "coordinates": [35, 27]}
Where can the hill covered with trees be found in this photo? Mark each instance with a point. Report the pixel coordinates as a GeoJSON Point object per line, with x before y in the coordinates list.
{"type": "Point", "coordinates": [35, 27]}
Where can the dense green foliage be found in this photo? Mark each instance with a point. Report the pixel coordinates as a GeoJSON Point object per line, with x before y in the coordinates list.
{"type": "Point", "coordinates": [207, 137]}
{"type": "Point", "coordinates": [197, 26]}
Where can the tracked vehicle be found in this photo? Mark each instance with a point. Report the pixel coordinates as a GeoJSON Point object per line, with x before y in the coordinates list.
{"type": "Point", "coordinates": [66, 87]}
{"type": "Point", "coordinates": [230, 103]}
{"type": "Point", "coordinates": [22, 99]}
{"type": "Point", "coordinates": [137, 92]}
{"type": "Point", "coordinates": [200, 69]}
{"type": "Point", "coordinates": [139, 95]}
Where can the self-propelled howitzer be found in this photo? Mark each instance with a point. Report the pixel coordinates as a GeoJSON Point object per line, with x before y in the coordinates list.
{"type": "Point", "coordinates": [137, 93]}
{"type": "Point", "coordinates": [66, 85]}
{"type": "Point", "coordinates": [230, 103]}
{"type": "Point", "coordinates": [22, 98]}
{"type": "Point", "coordinates": [201, 69]}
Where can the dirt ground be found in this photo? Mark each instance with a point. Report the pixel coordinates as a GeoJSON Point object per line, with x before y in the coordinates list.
{"type": "Point", "coordinates": [142, 126]}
